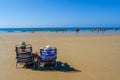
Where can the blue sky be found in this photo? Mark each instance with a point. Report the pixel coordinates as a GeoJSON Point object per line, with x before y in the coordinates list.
{"type": "Point", "coordinates": [59, 13]}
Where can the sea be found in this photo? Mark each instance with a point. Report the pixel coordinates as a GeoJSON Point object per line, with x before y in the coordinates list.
{"type": "Point", "coordinates": [65, 30]}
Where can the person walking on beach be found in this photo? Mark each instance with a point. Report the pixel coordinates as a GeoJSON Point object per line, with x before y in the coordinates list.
{"type": "Point", "coordinates": [33, 31]}
{"type": "Point", "coordinates": [22, 46]}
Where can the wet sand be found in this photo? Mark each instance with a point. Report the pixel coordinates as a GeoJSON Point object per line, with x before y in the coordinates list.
{"type": "Point", "coordinates": [94, 57]}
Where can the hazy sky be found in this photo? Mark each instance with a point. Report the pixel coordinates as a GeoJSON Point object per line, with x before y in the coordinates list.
{"type": "Point", "coordinates": [60, 13]}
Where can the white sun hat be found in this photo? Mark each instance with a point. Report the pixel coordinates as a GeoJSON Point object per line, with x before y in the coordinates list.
{"type": "Point", "coordinates": [47, 47]}
{"type": "Point", "coordinates": [22, 44]}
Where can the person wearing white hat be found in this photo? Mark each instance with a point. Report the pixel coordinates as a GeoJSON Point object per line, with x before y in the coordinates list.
{"type": "Point", "coordinates": [22, 46]}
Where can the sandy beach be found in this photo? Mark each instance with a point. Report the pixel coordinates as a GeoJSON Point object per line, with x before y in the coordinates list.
{"type": "Point", "coordinates": [94, 57]}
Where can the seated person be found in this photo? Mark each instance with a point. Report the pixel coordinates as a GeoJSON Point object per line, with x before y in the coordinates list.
{"type": "Point", "coordinates": [36, 55]}
{"type": "Point", "coordinates": [22, 47]}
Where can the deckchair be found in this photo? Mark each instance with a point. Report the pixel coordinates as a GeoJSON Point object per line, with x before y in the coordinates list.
{"type": "Point", "coordinates": [48, 55]}
{"type": "Point", "coordinates": [24, 56]}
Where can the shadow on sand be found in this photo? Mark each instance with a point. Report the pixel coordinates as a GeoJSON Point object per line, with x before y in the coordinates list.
{"type": "Point", "coordinates": [63, 67]}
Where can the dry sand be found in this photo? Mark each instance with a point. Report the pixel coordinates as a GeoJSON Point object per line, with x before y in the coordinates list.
{"type": "Point", "coordinates": [96, 57]}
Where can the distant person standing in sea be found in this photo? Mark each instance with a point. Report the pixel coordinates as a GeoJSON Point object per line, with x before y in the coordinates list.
{"type": "Point", "coordinates": [77, 30]}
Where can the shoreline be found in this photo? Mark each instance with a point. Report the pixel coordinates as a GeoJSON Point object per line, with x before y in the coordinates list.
{"type": "Point", "coordinates": [68, 33]}
{"type": "Point", "coordinates": [60, 29]}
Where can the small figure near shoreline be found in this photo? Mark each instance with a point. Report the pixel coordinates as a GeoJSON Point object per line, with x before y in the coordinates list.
{"type": "Point", "coordinates": [95, 30]}
{"type": "Point", "coordinates": [33, 31]}
{"type": "Point", "coordinates": [115, 29]}
{"type": "Point", "coordinates": [102, 29]}
{"type": "Point", "coordinates": [77, 30]}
